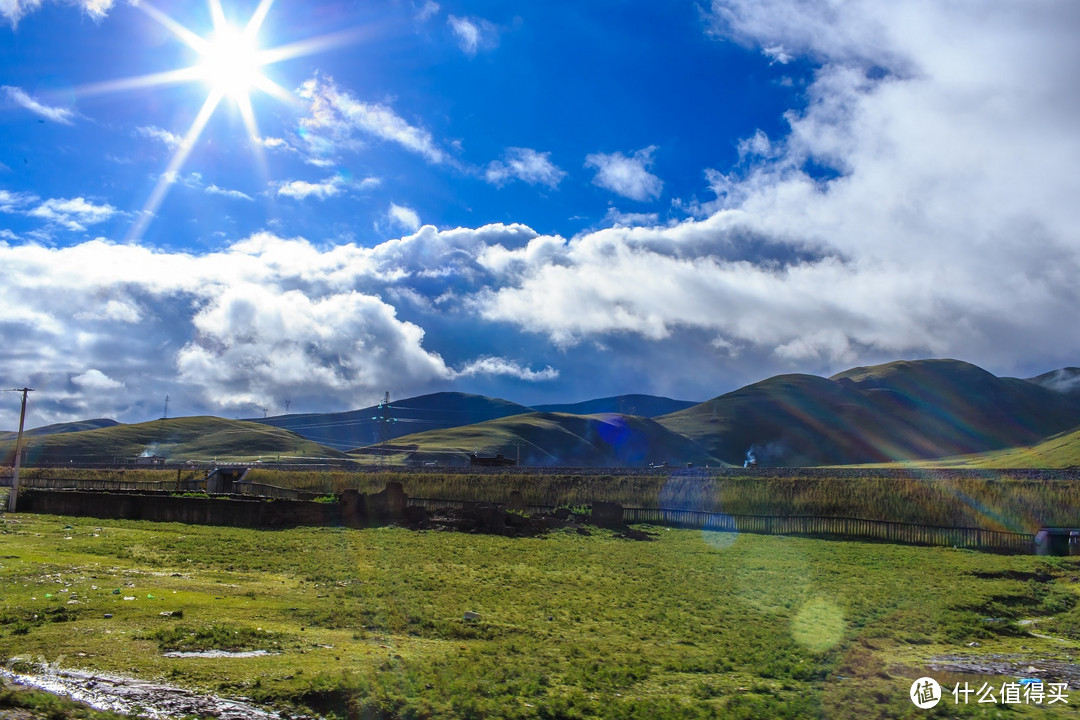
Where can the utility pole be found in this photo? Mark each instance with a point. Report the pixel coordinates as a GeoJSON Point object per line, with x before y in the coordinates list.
{"type": "Point", "coordinates": [14, 495]}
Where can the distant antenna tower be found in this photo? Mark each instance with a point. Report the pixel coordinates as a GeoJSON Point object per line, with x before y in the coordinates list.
{"type": "Point", "coordinates": [165, 412]}
{"type": "Point", "coordinates": [287, 404]}
{"type": "Point", "coordinates": [265, 410]}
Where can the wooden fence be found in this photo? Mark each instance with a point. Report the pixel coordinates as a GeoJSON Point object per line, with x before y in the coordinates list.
{"type": "Point", "coordinates": [819, 526]}
{"type": "Point", "coordinates": [805, 525]}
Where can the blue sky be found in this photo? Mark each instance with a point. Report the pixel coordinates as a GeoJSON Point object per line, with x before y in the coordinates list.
{"type": "Point", "coordinates": [542, 201]}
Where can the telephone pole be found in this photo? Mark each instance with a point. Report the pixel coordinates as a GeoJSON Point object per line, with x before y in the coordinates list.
{"type": "Point", "coordinates": [13, 496]}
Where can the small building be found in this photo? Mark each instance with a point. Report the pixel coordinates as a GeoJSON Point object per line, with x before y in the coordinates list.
{"type": "Point", "coordinates": [150, 461]}
{"type": "Point", "coordinates": [1057, 541]}
{"type": "Point", "coordinates": [497, 461]}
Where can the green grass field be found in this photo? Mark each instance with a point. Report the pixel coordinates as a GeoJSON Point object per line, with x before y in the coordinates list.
{"type": "Point", "coordinates": [1059, 451]}
{"type": "Point", "coordinates": [369, 623]}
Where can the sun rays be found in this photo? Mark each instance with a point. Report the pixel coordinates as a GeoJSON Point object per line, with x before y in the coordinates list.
{"type": "Point", "coordinates": [230, 63]}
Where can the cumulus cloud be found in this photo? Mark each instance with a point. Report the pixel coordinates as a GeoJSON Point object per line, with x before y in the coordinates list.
{"type": "Point", "coordinates": [404, 217]}
{"type": "Point", "coordinates": [627, 176]}
{"type": "Point", "coordinates": [95, 380]}
{"type": "Point", "coordinates": [526, 165]}
{"type": "Point", "coordinates": [74, 213]}
{"type": "Point", "coordinates": [473, 34]}
{"type": "Point", "coordinates": [253, 343]}
{"type": "Point", "coordinates": [19, 97]}
{"type": "Point", "coordinates": [336, 117]}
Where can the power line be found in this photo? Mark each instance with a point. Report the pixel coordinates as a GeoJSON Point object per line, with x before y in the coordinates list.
{"type": "Point", "coordinates": [14, 494]}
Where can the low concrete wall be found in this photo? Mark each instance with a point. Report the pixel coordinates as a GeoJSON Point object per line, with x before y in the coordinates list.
{"type": "Point", "coordinates": [355, 510]}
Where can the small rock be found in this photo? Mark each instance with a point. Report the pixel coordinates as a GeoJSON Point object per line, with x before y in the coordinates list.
{"type": "Point", "coordinates": [973, 644]}
{"type": "Point", "coordinates": [108, 616]}
{"type": "Point", "coordinates": [471, 616]}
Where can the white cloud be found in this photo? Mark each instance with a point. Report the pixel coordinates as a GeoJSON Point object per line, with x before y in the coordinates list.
{"type": "Point", "coordinates": [14, 10]}
{"type": "Point", "coordinates": [253, 342]}
{"type": "Point", "coordinates": [473, 34]}
{"type": "Point", "coordinates": [96, 9]}
{"type": "Point", "coordinates": [627, 176]}
{"type": "Point", "coordinates": [15, 201]}
{"type": "Point", "coordinates": [404, 217]}
{"type": "Point", "coordinates": [8, 235]}
{"type": "Point", "coordinates": [74, 213]}
{"type": "Point", "coordinates": [301, 189]}
{"type": "Point", "coordinates": [526, 165]}
{"type": "Point", "coordinates": [95, 380]}
{"type": "Point", "coordinates": [330, 187]}
{"type": "Point", "coordinates": [335, 115]}
{"type": "Point", "coordinates": [428, 10]}
{"type": "Point", "coordinates": [19, 97]}
{"type": "Point", "coordinates": [502, 366]}
{"type": "Point", "coordinates": [171, 140]}
{"type": "Point", "coordinates": [234, 194]}
{"type": "Point", "coordinates": [615, 217]}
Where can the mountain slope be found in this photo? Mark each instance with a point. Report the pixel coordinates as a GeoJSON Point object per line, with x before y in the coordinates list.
{"type": "Point", "coordinates": [60, 428]}
{"type": "Point", "coordinates": [1058, 451]}
{"type": "Point", "coordinates": [643, 405]}
{"type": "Point", "coordinates": [1065, 380]}
{"type": "Point", "coordinates": [177, 439]}
{"type": "Point", "coordinates": [356, 428]}
{"type": "Point", "coordinates": [560, 439]}
{"type": "Point", "coordinates": [896, 411]}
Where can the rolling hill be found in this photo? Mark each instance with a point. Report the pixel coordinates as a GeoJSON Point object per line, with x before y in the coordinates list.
{"type": "Point", "coordinates": [896, 411]}
{"type": "Point", "coordinates": [1059, 451]}
{"type": "Point", "coordinates": [1065, 380]}
{"type": "Point", "coordinates": [58, 428]}
{"type": "Point", "coordinates": [356, 428]}
{"type": "Point", "coordinates": [544, 438]}
{"type": "Point", "coordinates": [644, 405]}
{"type": "Point", "coordinates": [177, 439]}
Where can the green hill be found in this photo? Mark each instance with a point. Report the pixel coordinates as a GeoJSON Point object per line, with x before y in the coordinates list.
{"type": "Point", "coordinates": [355, 428]}
{"type": "Point", "coordinates": [896, 411]}
{"type": "Point", "coordinates": [177, 439]}
{"type": "Point", "coordinates": [56, 428]}
{"type": "Point", "coordinates": [1060, 451]}
{"type": "Point", "coordinates": [644, 405]}
{"type": "Point", "coordinates": [1064, 380]}
{"type": "Point", "coordinates": [559, 439]}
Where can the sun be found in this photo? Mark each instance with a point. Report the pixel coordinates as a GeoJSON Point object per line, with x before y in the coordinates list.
{"type": "Point", "coordinates": [231, 63]}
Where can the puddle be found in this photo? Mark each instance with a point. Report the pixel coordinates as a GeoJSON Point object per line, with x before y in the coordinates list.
{"type": "Point", "coordinates": [217, 654]}
{"type": "Point", "coordinates": [1045, 669]}
{"type": "Point", "coordinates": [129, 695]}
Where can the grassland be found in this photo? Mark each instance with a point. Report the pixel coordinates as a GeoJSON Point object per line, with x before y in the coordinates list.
{"type": "Point", "coordinates": [369, 623]}
{"type": "Point", "coordinates": [1059, 451]}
